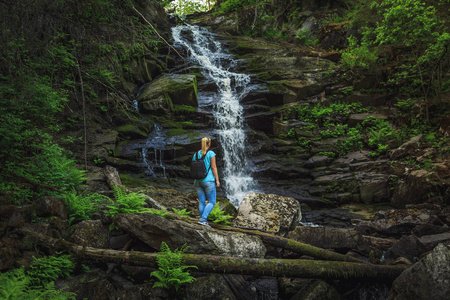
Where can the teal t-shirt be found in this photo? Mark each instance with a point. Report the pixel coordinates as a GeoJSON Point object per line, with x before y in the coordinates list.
{"type": "Point", "coordinates": [209, 155]}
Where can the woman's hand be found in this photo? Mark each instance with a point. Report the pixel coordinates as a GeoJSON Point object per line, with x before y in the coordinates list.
{"type": "Point", "coordinates": [217, 183]}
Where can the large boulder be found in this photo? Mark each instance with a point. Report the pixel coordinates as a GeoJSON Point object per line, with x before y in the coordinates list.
{"type": "Point", "coordinates": [153, 230]}
{"type": "Point", "coordinates": [427, 279]}
{"type": "Point", "coordinates": [159, 96]}
{"type": "Point", "coordinates": [268, 212]}
{"type": "Point", "coordinates": [211, 287]}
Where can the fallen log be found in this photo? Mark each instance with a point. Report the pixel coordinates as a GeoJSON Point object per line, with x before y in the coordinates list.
{"type": "Point", "coordinates": [297, 268]}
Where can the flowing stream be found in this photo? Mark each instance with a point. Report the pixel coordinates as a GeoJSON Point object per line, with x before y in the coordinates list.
{"type": "Point", "coordinates": [215, 65]}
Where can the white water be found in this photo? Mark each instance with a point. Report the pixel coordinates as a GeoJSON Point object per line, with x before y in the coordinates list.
{"type": "Point", "coordinates": [207, 53]}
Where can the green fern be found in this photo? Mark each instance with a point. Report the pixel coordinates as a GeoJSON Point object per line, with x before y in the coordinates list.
{"type": "Point", "coordinates": [217, 215]}
{"type": "Point", "coordinates": [181, 212]}
{"type": "Point", "coordinates": [83, 207]}
{"type": "Point", "coordinates": [47, 269]}
{"type": "Point", "coordinates": [159, 212]}
{"type": "Point", "coordinates": [15, 284]}
{"type": "Point", "coordinates": [128, 203]}
{"type": "Point", "coordinates": [171, 271]}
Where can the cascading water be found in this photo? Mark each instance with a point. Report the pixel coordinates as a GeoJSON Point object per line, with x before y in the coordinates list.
{"type": "Point", "coordinates": [152, 152]}
{"type": "Point", "coordinates": [215, 64]}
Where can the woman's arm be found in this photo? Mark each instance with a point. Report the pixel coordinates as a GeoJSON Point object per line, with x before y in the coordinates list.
{"type": "Point", "coordinates": [214, 170]}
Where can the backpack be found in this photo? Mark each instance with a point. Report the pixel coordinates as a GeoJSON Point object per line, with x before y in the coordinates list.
{"type": "Point", "coordinates": [198, 167]}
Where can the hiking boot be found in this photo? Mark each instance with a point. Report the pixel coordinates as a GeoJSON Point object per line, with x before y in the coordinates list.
{"type": "Point", "coordinates": [203, 222]}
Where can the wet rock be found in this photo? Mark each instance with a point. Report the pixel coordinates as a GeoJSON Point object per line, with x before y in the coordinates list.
{"type": "Point", "coordinates": [427, 279]}
{"type": "Point", "coordinates": [91, 233]}
{"type": "Point", "coordinates": [153, 229]}
{"type": "Point", "coordinates": [210, 287]}
{"type": "Point", "coordinates": [374, 188]}
{"type": "Point", "coordinates": [327, 237]}
{"type": "Point", "coordinates": [271, 213]}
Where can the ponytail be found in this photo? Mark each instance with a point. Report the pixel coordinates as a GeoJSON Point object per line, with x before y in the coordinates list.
{"type": "Point", "coordinates": [206, 143]}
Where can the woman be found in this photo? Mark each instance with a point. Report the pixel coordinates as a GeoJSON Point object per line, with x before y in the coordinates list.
{"type": "Point", "coordinates": [206, 188]}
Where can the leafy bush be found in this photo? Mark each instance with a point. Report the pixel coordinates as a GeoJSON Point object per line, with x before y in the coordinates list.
{"type": "Point", "coordinates": [233, 5]}
{"type": "Point", "coordinates": [306, 38]}
{"type": "Point", "coordinates": [359, 56]}
{"type": "Point", "coordinates": [171, 269]}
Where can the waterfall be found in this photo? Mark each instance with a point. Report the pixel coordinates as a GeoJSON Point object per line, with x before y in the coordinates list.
{"type": "Point", "coordinates": [206, 52]}
{"type": "Point", "coordinates": [152, 153]}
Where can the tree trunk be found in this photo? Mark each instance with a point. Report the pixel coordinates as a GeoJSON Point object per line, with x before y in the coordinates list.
{"type": "Point", "coordinates": [232, 265]}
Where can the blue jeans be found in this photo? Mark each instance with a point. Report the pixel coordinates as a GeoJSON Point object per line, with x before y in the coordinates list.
{"type": "Point", "coordinates": [205, 191]}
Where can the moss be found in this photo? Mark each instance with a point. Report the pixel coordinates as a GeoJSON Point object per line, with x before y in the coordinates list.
{"type": "Point", "coordinates": [176, 131]}
{"type": "Point", "coordinates": [132, 181]}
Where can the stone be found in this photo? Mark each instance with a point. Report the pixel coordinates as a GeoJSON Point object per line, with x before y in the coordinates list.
{"type": "Point", "coordinates": [355, 119]}
{"type": "Point", "coordinates": [413, 189]}
{"type": "Point", "coordinates": [327, 237]}
{"type": "Point", "coordinates": [50, 206]}
{"type": "Point", "coordinates": [153, 230]}
{"type": "Point", "coordinates": [318, 161]}
{"type": "Point", "coordinates": [429, 278]}
{"type": "Point", "coordinates": [268, 212]}
{"type": "Point", "coordinates": [407, 148]}
{"type": "Point", "coordinates": [374, 188]}
{"type": "Point", "coordinates": [91, 233]}
{"type": "Point", "coordinates": [210, 287]}
{"type": "Point", "coordinates": [161, 94]}
{"type": "Point", "coordinates": [428, 242]}
{"type": "Point", "coordinates": [400, 221]}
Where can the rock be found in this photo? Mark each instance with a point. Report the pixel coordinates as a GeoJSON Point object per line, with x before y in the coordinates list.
{"type": "Point", "coordinates": [327, 237]}
{"type": "Point", "coordinates": [50, 206]}
{"type": "Point", "coordinates": [407, 148]}
{"type": "Point", "coordinates": [307, 289]}
{"type": "Point", "coordinates": [91, 233]}
{"type": "Point", "coordinates": [271, 213]}
{"type": "Point", "coordinates": [160, 95]}
{"type": "Point", "coordinates": [413, 189]}
{"type": "Point", "coordinates": [400, 221]}
{"type": "Point", "coordinates": [374, 188]}
{"type": "Point", "coordinates": [210, 287]}
{"type": "Point", "coordinates": [153, 229]}
{"type": "Point", "coordinates": [355, 119]}
{"type": "Point", "coordinates": [428, 242]}
{"type": "Point", "coordinates": [427, 279]}
{"type": "Point", "coordinates": [318, 161]}
{"type": "Point", "coordinates": [407, 247]}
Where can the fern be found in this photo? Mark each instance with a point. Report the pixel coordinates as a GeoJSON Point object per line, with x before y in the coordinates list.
{"type": "Point", "coordinates": [15, 284]}
{"type": "Point", "coordinates": [83, 207]}
{"type": "Point", "coordinates": [49, 268]}
{"type": "Point", "coordinates": [181, 212]}
{"type": "Point", "coordinates": [129, 203]}
{"type": "Point", "coordinates": [159, 212]}
{"type": "Point", "coordinates": [171, 269]}
{"type": "Point", "coordinates": [218, 216]}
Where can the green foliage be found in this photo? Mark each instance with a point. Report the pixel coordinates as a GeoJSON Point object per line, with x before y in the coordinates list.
{"type": "Point", "coordinates": [353, 142]}
{"type": "Point", "coordinates": [358, 56]}
{"type": "Point", "coordinates": [159, 212]}
{"type": "Point", "coordinates": [49, 268]}
{"type": "Point", "coordinates": [171, 269]}
{"type": "Point", "coordinates": [181, 212]}
{"type": "Point", "coordinates": [306, 38]}
{"type": "Point", "coordinates": [83, 206]}
{"type": "Point", "coordinates": [126, 203]}
{"type": "Point", "coordinates": [15, 284]}
{"type": "Point", "coordinates": [233, 5]}
{"type": "Point", "coordinates": [217, 215]}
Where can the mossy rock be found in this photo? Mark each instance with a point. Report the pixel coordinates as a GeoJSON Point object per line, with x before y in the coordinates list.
{"type": "Point", "coordinates": [131, 131]}
{"type": "Point", "coordinates": [163, 93]}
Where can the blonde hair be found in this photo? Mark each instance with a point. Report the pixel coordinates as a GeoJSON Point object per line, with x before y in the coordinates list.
{"type": "Point", "coordinates": [206, 143]}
